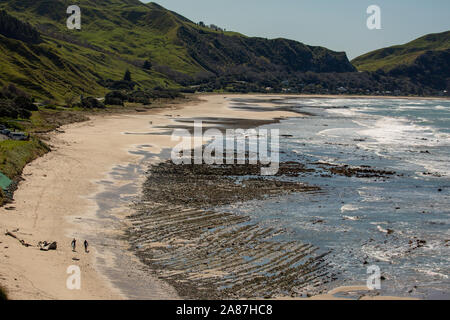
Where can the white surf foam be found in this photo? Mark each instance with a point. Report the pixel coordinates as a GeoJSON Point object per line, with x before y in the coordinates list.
{"type": "Point", "coordinates": [349, 207]}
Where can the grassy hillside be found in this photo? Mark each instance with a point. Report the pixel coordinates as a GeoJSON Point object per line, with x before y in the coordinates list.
{"type": "Point", "coordinates": [123, 34]}
{"type": "Point", "coordinates": [57, 69]}
{"type": "Point", "coordinates": [111, 41]}
{"type": "Point", "coordinates": [128, 28]}
{"type": "Point", "coordinates": [163, 49]}
{"type": "Point", "coordinates": [424, 62]}
{"type": "Point", "coordinates": [14, 155]}
{"type": "Point", "coordinates": [387, 59]}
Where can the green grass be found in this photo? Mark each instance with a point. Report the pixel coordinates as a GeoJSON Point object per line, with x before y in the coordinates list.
{"type": "Point", "coordinates": [112, 39]}
{"type": "Point", "coordinates": [388, 58]}
{"type": "Point", "coordinates": [14, 155]}
{"type": "Point", "coordinates": [46, 119]}
{"type": "Point", "coordinates": [57, 69]}
{"type": "Point", "coordinates": [117, 35]}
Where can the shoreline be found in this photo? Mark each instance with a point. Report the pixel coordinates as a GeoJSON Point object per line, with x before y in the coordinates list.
{"type": "Point", "coordinates": [326, 96]}
{"type": "Point", "coordinates": [54, 197]}
{"type": "Point", "coordinates": [65, 194]}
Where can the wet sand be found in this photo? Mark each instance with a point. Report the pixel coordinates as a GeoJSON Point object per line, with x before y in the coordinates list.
{"type": "Point", "coordinates": [209, 253]}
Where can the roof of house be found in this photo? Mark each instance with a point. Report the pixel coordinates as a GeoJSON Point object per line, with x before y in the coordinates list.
{"type": "Point", "coordinates": [5, 182]}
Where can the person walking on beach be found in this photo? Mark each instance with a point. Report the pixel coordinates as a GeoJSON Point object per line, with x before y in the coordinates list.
{"type": "Point", "coordinates": [74, 244]}
{"type": "Point", "coordinates": [86, 244]}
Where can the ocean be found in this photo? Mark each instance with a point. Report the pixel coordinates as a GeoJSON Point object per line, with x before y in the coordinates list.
{"type": "Point", "coordinates": [399, 223]}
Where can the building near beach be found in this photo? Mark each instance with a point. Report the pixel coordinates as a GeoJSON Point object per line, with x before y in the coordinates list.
{"type": "Point", "coordinates": [5, 182]}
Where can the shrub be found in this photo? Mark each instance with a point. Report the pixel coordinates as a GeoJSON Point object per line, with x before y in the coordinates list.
{"type": "Point", "coordinates": [8, 109]}
{"type": "Point", "coordinates": [115, 98]}
{"type": "Point", "coordinates": [162, 93]}
{"type": "Point", "coordinates": [117, 85]}
{"type": "Point", "coordinates": [119, 97]}
{"type": "Point", "coordinates": [139, 97]}
{"type": "Point", "coordinates": [91, 103]}
{"type": "Point", "coordinates": [113, 102]}
{"type": "Point", "coordinates": [25, 103]}
{"type": "Point", "coordinates": [127, 76]}
{"type": "Point", "coordinates": [147, 65]}
{"type": "Point", "coordinates": [15, 103]}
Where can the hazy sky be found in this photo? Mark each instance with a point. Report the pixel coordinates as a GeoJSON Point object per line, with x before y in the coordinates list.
{"type": "Point", "coordinates": [339, 25]}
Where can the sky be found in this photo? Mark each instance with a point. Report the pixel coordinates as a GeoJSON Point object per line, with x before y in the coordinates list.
{"type": "Point", "coordinates": [340, 25]}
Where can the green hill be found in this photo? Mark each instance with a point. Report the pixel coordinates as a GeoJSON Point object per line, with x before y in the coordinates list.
{"type": "Point", "coordinates": [425, 61]}
{"type": "Point", "coordinates": [123, 34]}
{"type": "Point", "coordinates": [387, 59]}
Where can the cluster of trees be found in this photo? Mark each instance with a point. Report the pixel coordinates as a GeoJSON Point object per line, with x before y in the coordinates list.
{"type": "Point", "coordinates": [119, 97]}
{"type": "Point", "coordinates": [123, 91]}
{"type": "Point", "coordinates": [147, 65]}
{"type": "Point", "coordinates": [11, 27]}
{"type": "Point", "coordinates": [430, 69]}
{"type": "Point", "coordinates": [15, 103]}
{"type": "Point", "coordinates": [126, 83]}
{"type": "Point", "coordinates": [211, 26]}
{"type": "Point", "coordinates": [375, 83]}
{"type": "Point", "coordinates": [90, 103]}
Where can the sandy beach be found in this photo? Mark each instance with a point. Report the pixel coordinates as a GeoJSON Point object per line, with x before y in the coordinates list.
{"type": "Point", "coordinates": [190, 156]}
{"type": "Point", "coordinates": [83, 189]}
{"type": "Point", "coordinates": [55, 201]}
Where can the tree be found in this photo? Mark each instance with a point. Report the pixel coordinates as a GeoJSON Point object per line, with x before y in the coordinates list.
{"type": "Point", "coordinates": [147, 65]}
{"type": "Point", "coordinates": [127, 76]}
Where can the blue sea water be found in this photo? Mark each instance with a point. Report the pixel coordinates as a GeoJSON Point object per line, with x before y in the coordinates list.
{"type": "Point", "coordinates": [350, 216]}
